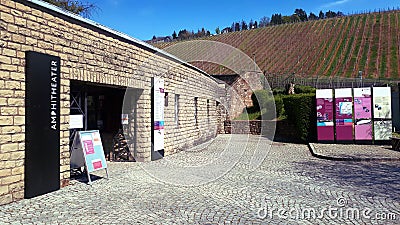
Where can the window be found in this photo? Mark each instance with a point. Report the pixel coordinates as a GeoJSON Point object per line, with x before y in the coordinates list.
{"type": "Point", "coordinates": [166, 99]}
{"type": "Point", "coordinates": [176, 110]}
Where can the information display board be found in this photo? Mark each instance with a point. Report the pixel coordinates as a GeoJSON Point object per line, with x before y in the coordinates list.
{"type": "Point", "coordinates": [382, 113]}
{"type": "Point", "coordinates": [382, 102]}
{"type": "Point", "coordinates": [363, 113]}
{"type": "Point", "coordinates": [324, 103]}
{"type": "Point", "coordinates": [87, 150]}
{"type": "Point", "coordinates": [157, 118]}
{"type": "Point", "coordinates": [344, 114]}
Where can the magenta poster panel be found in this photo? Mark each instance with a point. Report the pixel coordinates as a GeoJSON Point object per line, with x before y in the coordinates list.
{"type": "Point", "coordinates": [363, 131]}
{"type": "Point", "coordinates": [363, 114]}
{"type": "Point", "coordinates": [344, 114]}
{"type": "Point", "coordinates": [325, 110]}
{"type": "Point", "coordinates": [362, 108]}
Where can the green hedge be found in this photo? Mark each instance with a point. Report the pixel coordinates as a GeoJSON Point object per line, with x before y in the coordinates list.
{"type": "Point", "coordinates": [264, 102]}
{"type": "Point", "coordinates": [301, 110]}
{"type": "Point", "coordinates": [300, 89]}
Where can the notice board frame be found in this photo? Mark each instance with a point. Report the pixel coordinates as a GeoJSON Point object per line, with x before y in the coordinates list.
{"type": "Point", "coordinates": [87, 150]}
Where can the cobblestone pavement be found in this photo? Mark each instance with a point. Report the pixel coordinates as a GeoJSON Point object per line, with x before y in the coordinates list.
{"type": "Point", "coordinates": [289, 187]}
{"type": "Point", "coordinates": [356, 152]}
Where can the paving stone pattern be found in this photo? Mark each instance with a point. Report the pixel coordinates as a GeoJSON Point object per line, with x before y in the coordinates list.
{"type": "Point", "coordinates": [356, 152]}
{"type": "Point", "coordinates": [280, 191]}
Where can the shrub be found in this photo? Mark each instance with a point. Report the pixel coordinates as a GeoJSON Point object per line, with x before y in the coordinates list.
{"type": "Point", "coordinates": [301, 110]}
{"type": "Point", "coordinates": [263, 100]}
{"type": "Point", "coordinates": [300, 89]}
{"type": "Point", "coordinates": [279, 91]}
{"type": "Point", "coordinates": [279, 105]}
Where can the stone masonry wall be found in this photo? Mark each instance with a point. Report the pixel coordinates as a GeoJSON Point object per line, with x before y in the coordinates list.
{"type": "Point", "coordinates": [92, 54]}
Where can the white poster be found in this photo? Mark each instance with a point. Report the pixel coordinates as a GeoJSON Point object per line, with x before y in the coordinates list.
{"type": "Point", "coordinates": [343, 93]}
{"type": "Point", "coordinates": [124, 119]}
{"type": "Point", "coordinates": [382, 102]}
{"type": "Point", "coordinates": [75, 121]}
{"type": "Point", "coordinates": [158, 107]}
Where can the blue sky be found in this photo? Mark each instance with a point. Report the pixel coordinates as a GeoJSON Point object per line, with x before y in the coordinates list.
{"type": "Point", "coordinates": [143, 19]}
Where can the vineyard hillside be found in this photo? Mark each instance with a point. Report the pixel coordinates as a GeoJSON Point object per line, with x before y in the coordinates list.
{"type": "Point", "coordinates": [338, 47]}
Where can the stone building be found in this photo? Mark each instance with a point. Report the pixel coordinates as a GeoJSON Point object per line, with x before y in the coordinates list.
{"type": "Point", "coordinates": [102, 74]}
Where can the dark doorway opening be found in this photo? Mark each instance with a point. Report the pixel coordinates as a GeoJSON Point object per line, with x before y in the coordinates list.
{"type": "Point", "coordinates": [102, 107]}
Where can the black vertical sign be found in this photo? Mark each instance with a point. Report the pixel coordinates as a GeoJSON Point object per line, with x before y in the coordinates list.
{"type": "Point", "coordinates": [42, 131]}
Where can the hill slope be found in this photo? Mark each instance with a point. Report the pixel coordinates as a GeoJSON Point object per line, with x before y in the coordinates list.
{"type": "Point", "coordinates": [338, 47]}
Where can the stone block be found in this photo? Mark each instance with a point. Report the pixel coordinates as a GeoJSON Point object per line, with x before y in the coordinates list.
{"type": "Point", "coordinates": [10, 179]}
{"type": "Point", "coordinates": [5, 199]}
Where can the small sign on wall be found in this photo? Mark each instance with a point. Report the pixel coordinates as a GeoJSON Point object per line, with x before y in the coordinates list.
{"type": "Point", "coordinates": [76, 121]}
{"type": "Point", "coordinates": [124, 119]}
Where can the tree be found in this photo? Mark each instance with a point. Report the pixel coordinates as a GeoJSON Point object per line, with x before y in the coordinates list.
{"type": "Point", "coordinates": [295, 18]}
{"type": "Point", "coordinates": [302, 14]}
{"type": "Point", "coordinates": [251, 24]}
{"type": "Point", "coordinates": [185, 34]}
{"type": "Point", "coordinates": [154, 37]}
{"type": "Point", "coordinates": [286, 19]}
{"type": "Point", "coordinates": [330, 14]}
{"type": "Point", "coordinates": [321, 15]}
{"type": "Point", "coordinates": [174, 36]}
{"type": "Point", "coordinates": [277, 19]}
{"type": "Point", "coordinates": [75, 6]}
{"type": "Point", "coordinates": [264, 21]}
{"type": "Point", "coordinates": [244, 25]}
{"type": "Point", "coordinates": [255, 24]}
{"type": "Point", "coordinates": [339, 13]}
{"type": "Point", "coordinates": [312, 16]}
{"type": "Point", "coordinates": [237, 26]}
{"type": "Point", "coordinates": [217, 30]}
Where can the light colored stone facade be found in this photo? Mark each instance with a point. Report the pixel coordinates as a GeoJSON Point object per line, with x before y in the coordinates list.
{"type": "Point", "coordinates": [93, 54]}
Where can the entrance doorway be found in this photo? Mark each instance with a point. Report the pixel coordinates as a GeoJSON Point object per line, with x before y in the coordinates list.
{"type": "Point", "coordinates": [102, 108]}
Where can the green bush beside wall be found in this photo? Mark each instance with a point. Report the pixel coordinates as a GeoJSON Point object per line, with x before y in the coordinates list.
{"type": "Point", "coordinates": [301, 111]}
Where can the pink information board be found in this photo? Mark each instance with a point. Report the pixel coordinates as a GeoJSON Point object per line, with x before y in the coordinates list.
{"type": "Point", "coordinates": [344, 114]}
{"type": "Point", "coordinates": [363, 114]}
{"type": "Point", "coordinates": [324, 103]}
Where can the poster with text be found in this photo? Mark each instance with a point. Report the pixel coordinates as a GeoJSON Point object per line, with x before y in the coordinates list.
{"type": "Point", "coordinates": [382, 102]}
{"type": "Point", "coordinates": [363, 114]}
{"type": "Point", "coordinates": [93, 150]}
{"type": "Point", "coordinates": [344, 114]}
{"type": "Point", "coordinates": [158, 107]}
{"type": "Point", "coordinates": [324, 104]}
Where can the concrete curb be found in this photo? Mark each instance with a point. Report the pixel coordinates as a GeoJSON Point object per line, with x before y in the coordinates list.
{"type": "Point", "coordinates": [351, 159]}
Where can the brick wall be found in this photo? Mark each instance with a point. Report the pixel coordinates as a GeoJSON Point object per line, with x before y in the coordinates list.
{"type": "Point", "coordinates": [92, 54]}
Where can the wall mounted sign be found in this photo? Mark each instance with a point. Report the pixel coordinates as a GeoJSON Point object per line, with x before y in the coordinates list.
{"type": "Point", "coordinates": [87, 150]}
{"type": "Point", "coordinates": [158, 94]}
{"type": "Point", "coordinates": [324, 103]}
{"type": "Point", "coordinates": [344, 114]}
{"type": "Point", "coordinates": [76, 121]}
{"type": "Point", "coordinates": [124, 119]}
{"type": "Point", "coordinates": [42, 119]}
{"type": "Point", "coordinates": [363, 114]}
